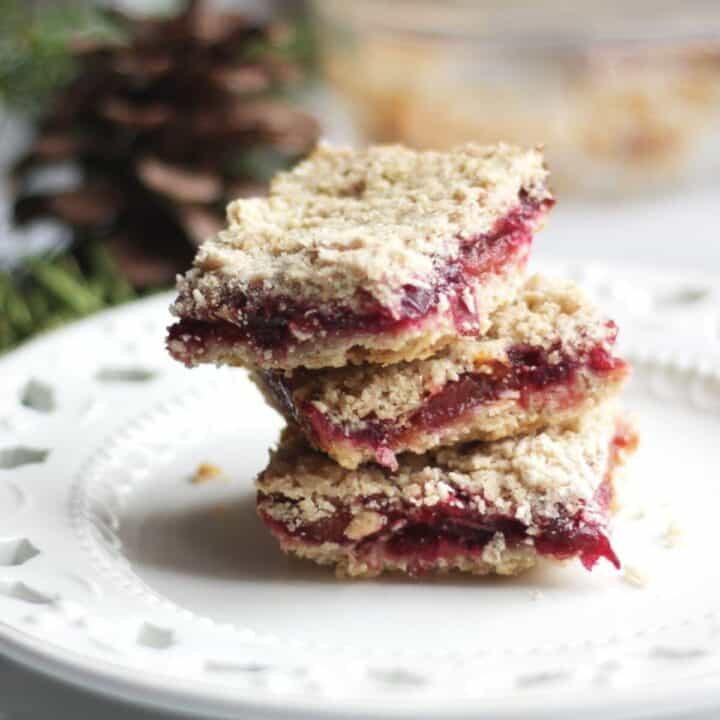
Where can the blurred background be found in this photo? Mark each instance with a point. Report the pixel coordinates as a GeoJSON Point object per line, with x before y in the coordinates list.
{"type": "Point", "coordinates": [126, 127]}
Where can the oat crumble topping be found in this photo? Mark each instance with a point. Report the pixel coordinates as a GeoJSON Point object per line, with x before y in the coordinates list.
{"type": "Point", "coordinates": [529, 476]}
{"type": "Point", "coordinates": [377, 218]}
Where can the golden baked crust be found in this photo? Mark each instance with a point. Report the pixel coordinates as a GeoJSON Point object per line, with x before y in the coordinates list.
{"type": "Point", "coordinates": [499, 561]}
{"type": "Point", "coordinates": [549, 314]}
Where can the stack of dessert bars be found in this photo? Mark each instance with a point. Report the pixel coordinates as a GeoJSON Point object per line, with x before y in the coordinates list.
{"type": "Point", "coordinates": [444, 409]}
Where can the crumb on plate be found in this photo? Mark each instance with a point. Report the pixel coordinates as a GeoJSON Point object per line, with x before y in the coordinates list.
{"type": "Point", "coordinates": [672, 535]}
{"type": "Point", "coordinates": [205, 472]}
{"type": "Point", "coordinates": [635, 576]}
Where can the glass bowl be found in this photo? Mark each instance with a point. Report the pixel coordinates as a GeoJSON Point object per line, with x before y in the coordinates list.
{"type": "Point", "coordinates": [625, 96]}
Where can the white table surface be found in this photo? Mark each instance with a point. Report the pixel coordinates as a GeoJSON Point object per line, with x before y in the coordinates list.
{"type": "Point", "coordinates": [682, 231]}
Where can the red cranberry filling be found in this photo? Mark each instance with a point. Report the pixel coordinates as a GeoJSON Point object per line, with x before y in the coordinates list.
{"type": "Point", "coordinates": [423, 535]}
{"type": "Point", "coordinates": [272, 321]}
{"type": "Point", "coordinates": [529, 372]}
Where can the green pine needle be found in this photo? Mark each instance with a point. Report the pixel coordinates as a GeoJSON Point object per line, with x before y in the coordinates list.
{"type": "Point", "coordinates": [34, 56]}
{"type": "Point", "coordinates": [46, 292]}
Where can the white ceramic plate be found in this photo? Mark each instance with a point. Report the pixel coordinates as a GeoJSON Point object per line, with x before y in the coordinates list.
{"type": "Point", "coordinates": [119, 574]}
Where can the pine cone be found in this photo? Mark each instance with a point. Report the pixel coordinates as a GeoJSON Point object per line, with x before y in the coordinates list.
{"type": "Point", "coordinates": [166, 128]}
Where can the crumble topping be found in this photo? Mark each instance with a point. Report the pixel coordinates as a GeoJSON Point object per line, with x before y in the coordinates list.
{"type": "Point", "coordinates": [550, 309]}
{"type": "Point", "coordinates": [529, 477]}
{"type": "Point", "coordinates": [547, 312]}
{"type": "Point", "coordinates": [363, 524]}
{"type": "Point", "coordinates": [375, 219]}
{"type": "Point", "coordinates": [493, 551]}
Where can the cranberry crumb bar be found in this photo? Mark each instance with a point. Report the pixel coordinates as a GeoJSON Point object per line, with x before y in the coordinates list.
{"type": "Point", "coordinates": [545, 360]}
{"type": "Point", "coordinates": [377, 255]}
{"type": "Point", "coordinates": [480, 507]}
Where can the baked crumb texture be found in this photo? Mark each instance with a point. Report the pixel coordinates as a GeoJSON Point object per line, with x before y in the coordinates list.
{"type": "Point", "coordinates": [546, 359]}
{"type": "Point", "coordinates": [478, 507]}
{"type": "Point", "coordinates": [377, 255]}
{"type": "Point", "coordinates": [205, 472]}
